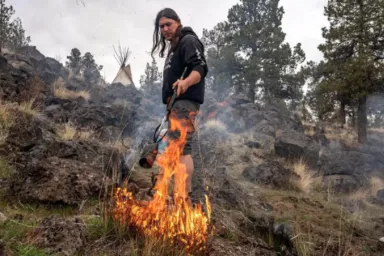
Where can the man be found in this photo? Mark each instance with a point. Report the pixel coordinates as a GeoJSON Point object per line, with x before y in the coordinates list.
{"type": "Point", "coordinates": [185, 50]}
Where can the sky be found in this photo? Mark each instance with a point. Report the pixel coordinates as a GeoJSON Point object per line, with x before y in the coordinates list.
{"type": "Point", "coordinates": [96, 26]}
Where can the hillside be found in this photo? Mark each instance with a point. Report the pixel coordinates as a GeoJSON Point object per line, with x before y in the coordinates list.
{"type": "Point", "coordinates": [276, 186]}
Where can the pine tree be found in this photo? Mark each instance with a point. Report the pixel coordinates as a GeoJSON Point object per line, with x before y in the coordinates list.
{"type": "Point", "coordinates": [269, 63]}
{"type": "Point", "coordinates": [6, 13]}
{"type": "Point", "coordinates": [88, 63]}
{"type": "Point", "coordinates": [151, 77]}
{"type": "Point", "coordinates": [74, 61]}
{"type": "Point", "coordinates": [16, 37]}
{"type": "Point", "coordinates": [224, 65]}
{"type": "Point", "coordinates": [354, 51]}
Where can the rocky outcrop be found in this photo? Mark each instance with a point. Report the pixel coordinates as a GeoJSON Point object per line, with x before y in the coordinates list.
{"type": "Point", "coordinates": [60, 236]}
{"type": "Point", "coordinates": [269, 174]}
{"type": "Point", "coordinates": [50, 70]}
{"type": "Point", "coordinates": [56, 180]}
{"type": "Point", "coordinates": [291, 144]}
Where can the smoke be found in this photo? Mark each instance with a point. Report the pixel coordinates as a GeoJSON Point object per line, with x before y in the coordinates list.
{"type": "Point", "coordinates": [142, 128]}
{"type": "Point", "coordinates": [375, 108]}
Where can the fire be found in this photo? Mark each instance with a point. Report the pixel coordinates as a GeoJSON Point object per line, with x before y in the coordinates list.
{"type": "Point", "coordinates": [178, 222]}
{"type": "Point", "coordinates": [219, 105]}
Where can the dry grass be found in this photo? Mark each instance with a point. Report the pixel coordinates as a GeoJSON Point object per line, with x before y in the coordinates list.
{"type": "Point", "coordinates": [161, 248]}
{"type": "Point", "coordinates": [309, 128]}
{"type": "Point", "coordinates": [61, 92]}
{"type": "Point", "coordinates": [376, 184]}
{"type": "Point", "coordinates": [306, 182]}
{"type": "Point", "coordinates": [319, 227]}
{"type": "Point", "coordinates": [309, 131]}
{"type": "Point", "coordinates": [107, 237]}
{"type": "Point", "coordinates": [346, 135]}
{"type": "Point", "coordinates": [360, 194]}
{"type": "Point", "coordinates": [216, 125]}
{"type": "Point", "coordinates": [5, 169]}
{"type": "Point", "coordinates": [28, 108]}
{"type": "Point", "coordinates": [379, 130]}
{"type": "Point", "coordinates": [370, 191]}
{"type": "Point", "coordinates": [70, 132]}
{"type": "Point", "coordinates": [5, 121]}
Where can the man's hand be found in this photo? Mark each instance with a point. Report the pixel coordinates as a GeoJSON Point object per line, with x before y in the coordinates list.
{"type": "Point", "coordinates": [181, 85]}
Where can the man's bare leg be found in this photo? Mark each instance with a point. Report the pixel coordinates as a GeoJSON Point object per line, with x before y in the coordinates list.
{"type": "Point", "coordinates": [183, 179]}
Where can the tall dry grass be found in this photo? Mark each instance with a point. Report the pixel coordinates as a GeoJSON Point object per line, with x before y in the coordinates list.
{"type": "Point", "coordinates": [29, 108]}
{"type": "Point", "coordinates": [306, 181]}
{"type": "Point", "coordinates": [61, 92]}
{"type": "Point", "coordinates": [70, 132]}
{"type": "Point", "coordinates": [6, 121]}
{"type": "Point", "coordinates": [370, 190]}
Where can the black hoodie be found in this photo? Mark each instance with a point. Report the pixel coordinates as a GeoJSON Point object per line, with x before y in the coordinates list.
{"type": "Point", "coordinates": [188, 53]}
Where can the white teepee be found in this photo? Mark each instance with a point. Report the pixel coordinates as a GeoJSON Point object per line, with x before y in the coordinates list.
{"type": "Point", "coordinates": [124, 76]}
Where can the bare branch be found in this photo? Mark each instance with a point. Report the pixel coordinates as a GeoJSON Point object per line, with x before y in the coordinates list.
{"type": "Point", "coordinates": [122, 55]}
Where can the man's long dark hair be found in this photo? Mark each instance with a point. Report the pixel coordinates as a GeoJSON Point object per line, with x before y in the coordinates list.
{"type": "Point", "coordinates": [158, 38]}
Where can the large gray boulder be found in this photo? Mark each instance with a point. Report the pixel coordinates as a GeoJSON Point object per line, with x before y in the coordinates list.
{"type": "Point", "coordinates": [55, 180]}
{"type": "Point", "coordinates": [295, 145]}
{"type": "Point", "coordinates": [269, 174]}
{"type": "Point", "coordinates": [60, 236]}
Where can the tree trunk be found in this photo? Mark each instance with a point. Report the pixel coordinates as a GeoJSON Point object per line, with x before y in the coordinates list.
{"type": "Point", "coordinates": [251, 92]}
{"type": "Point", "coordinates": [342, 119]}
{"type": "Point", "coordinates": [2, 27]}
{"type": "Point", "coordinates": [353, 118]}
{"type": "Point", "coordinates": [362, 120]}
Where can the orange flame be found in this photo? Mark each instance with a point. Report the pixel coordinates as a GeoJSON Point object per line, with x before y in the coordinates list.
{"type": "Point", "coordinates": [180, 222]}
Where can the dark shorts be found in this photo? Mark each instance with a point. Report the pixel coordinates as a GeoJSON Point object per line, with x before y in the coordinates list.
{"type": "Point", "coordinates": [184, 111]}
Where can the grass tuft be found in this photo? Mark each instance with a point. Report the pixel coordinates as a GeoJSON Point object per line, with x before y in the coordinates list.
{"type": "Point", "coordinates": [61, 92]}
{"type": "Point", "coordinates": [306, 182]}
{"type": "Point", "coordinates": [6, 121]}
{"type": "Point", "coordinates": [69, 132]}
{"type": "Point", "coordinates": [28, 108]}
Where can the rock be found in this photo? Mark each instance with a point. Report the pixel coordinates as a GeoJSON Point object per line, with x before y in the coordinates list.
{"type": "Point", "coordinates": [2, 249]}
{"type": "Point", "coordinates": [268, 173]}
{"type": "Point", "coordinates": [57, 180]}
{"type": "Point", "coordinates": [380, 194]}
{"type": "Point", "coordinates": [31, 52]}
{"type": "Point", "coordinates": [14, 57]}
{"type": "Point", "coordinates": [292, 144]}
{"type": "Point", "coordinates": [262, 141]}
{"type": "Point", "coordinates": [265, 128]}
{"type": "Point", "coordinates": [225, 190]}
{"type": "Point", "coordinates": [48, 76]}
{"type": "Point", "coordinates": [50, 69]}
{"type": "Point", "coordinates": [60, 236]}
{"type": "Point", "coordinates": [381, 244]}
{"type": "Point", "coordinates": [282, 234]}
{"type": "Point", "coordinates": [346, 163]}
{"type": "Point", "coordinates": [342, 183]}
{"type": "Point", "coordinates": [3, 64]}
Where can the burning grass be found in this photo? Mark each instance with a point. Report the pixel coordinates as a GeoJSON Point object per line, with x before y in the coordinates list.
{"type": "Point", "coordinates": [174, 220]}
{"type": "Point", "coordinates": [61, 92]}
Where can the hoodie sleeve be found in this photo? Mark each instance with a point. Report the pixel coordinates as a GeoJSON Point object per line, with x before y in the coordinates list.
{"type": "Point", "coordinates": [193, 52]}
